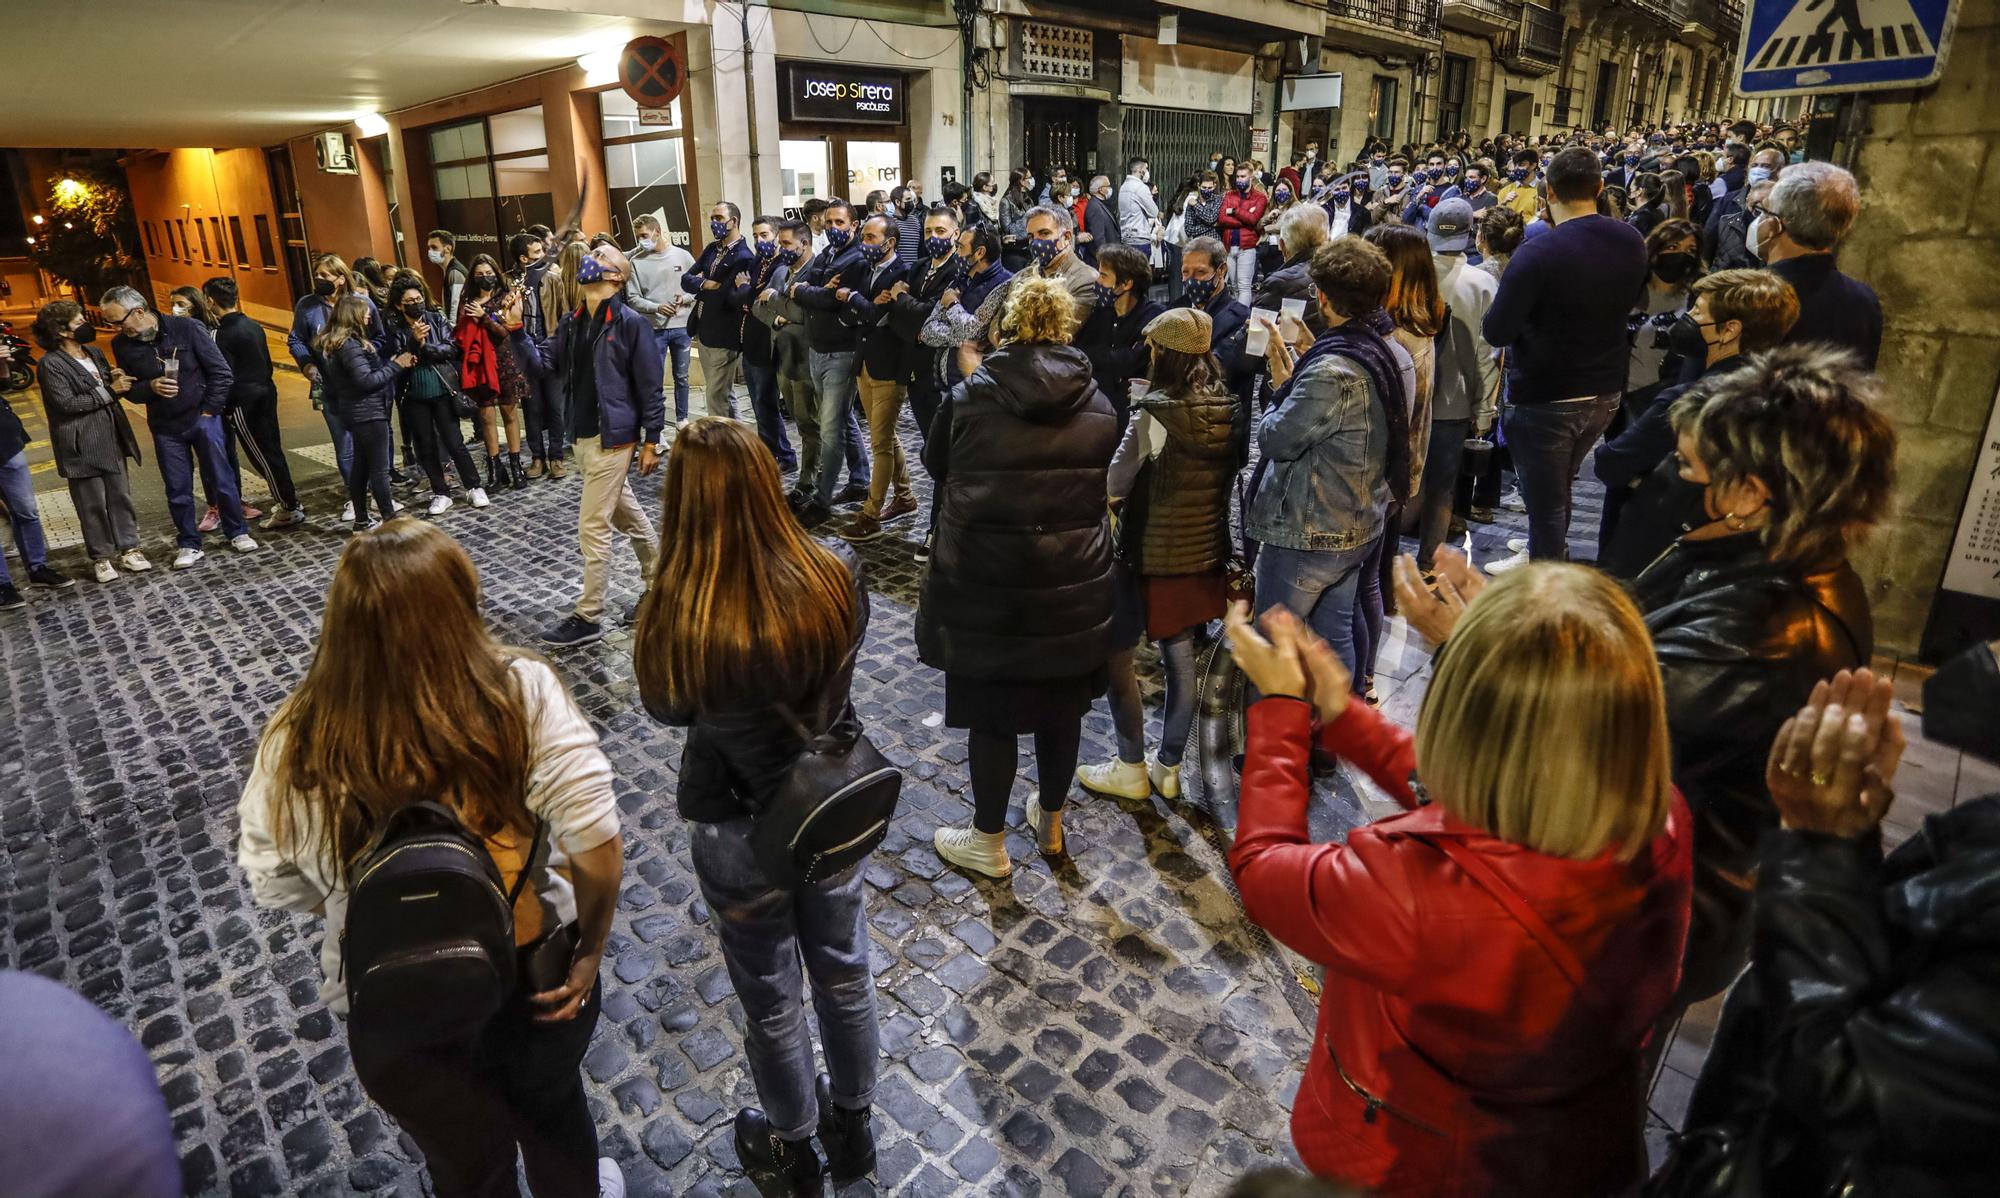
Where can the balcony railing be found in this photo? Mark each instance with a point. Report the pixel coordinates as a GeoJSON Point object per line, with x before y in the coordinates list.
{"type": "Point", "coordinates": [1666, 12]}
{"type": "Point", "coordinates": [1729, 16]}
{"type": "Point", "coordinates": [1481, 15]}
{"type": "Point", "coordinates": [1534, 46]}
{"type": "Point", "coordinates": [1416, 18]}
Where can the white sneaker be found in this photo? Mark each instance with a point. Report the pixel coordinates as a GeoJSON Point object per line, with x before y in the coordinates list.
{"type": "Point", "coordinates": [478, 497]}
{"type": "Point", "coordinates": [1125, 779]}
{"type": "Point", "coordinates": [1505, 564]}
{"type": "Point", "coordinates": [610, 1179]}
{"type": "Point", "coordinates": [1165, 778]}
{"type": "Point", "coordinates": [242, 542]}
{"type": "Point", "coordinates": [134, 561]}
{"type": "Point", "coordinates": [977, 851]}
{"type": "Point", "coordinates": [395, 505]}
{"type": "Point", "coordinates": [105, 571]}
{"type": "Point", "coordinates": [1517, 544]}
{"type": "Point", "coordinates": [1045, 824]}
{"type": "Point", "coordinates": [1513, 502]}
{"type": "Point", "coordinates": [184, 558]}
{"type": "Point", "coordinates": [440, 504]}
{"type": "Point", "coordinates": [347, 512]}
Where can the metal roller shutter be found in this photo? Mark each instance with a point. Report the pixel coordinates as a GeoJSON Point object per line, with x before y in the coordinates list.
{"type": "Point", "coordinates": [1177, 143]}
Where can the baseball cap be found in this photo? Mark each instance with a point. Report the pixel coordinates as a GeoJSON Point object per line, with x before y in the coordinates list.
{"type": "Point", "coordinates": [1450, 226]}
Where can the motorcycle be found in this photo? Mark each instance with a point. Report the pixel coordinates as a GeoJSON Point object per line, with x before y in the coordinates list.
{"type": "Point", "coordinates": [20, 369]}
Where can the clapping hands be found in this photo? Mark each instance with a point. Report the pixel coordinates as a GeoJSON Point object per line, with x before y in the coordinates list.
{"type": "Point", "coordinates": [1434, 610]}
{"type": "Point", "coordinates": [1288, 658]}
{"type": "Point", "coordinates": [1832, 763]}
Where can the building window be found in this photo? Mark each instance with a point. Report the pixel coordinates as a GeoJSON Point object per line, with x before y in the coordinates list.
{"type": "Point", "coordinates": [1382, 107]}
{"type": "Point", "coordinates": [146, 228]}
{"type": "Point", "coordinates": [167, 229]}
{"type": "Point", "coordinates": [187, 243]}
{"type": "Point", "coordinates": [645, 166]}
{"type": "Point", "coordinates": [1453, 83]}
{"type": "Point", "coordinates": [221, 246]}
{"type": "Point", "coordinates": [491, 179]}
{"type": "Point", "coordinates": [266, 249]}
{"type": "Point", "coordinates": [236, 238]}
{"type": "Point", "coordinates": [202, 232]}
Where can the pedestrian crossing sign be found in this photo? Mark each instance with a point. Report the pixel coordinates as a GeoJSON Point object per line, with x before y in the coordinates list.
{"type": "Point", "coordinates": [1794, 47]}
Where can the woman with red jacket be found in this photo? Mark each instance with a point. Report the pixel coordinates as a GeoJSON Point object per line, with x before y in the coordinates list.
{"type": "Point", "coordinates": [1496, 955]}
{"type": "Point", "coordinates": [1242, 208]}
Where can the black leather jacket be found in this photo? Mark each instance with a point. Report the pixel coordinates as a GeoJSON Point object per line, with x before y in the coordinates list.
{"type": "Point", "coordinates": [1741, 641]}
{"type": "Point", "coordinates": [734, 759]}
{"type": "Point", "coordinates": [1865, 1030]}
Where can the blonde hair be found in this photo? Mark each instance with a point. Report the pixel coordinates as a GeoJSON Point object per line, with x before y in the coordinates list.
{"type": "Point", "coordinates": [1764, 304]}
{"type": "Point", "coordinates": [1039, 311]}
{"type": "Point", "coordinates": [1545, 723]}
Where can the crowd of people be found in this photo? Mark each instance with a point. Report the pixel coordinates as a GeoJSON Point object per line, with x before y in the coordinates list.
{"type": "Point", "coordinates": [1272, 401]}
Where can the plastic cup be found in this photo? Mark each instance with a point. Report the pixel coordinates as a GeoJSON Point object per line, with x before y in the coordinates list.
{"type": "Point", "coordinates": [1478, 455]}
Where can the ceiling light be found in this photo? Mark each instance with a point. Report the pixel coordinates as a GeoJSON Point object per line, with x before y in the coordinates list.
{"type": "Point", "coordinates": [38, 218]}
{"type": "Point", "coordinates": [601, 66]}
{"type": "Point", "coordinates": [371, 124]}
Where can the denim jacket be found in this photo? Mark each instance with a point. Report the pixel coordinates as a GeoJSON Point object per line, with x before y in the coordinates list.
{"type": "Point", "coordinates": [1325, 449]}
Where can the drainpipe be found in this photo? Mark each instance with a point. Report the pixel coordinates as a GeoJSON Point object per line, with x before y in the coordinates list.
{"type": "Point", "coordinates": [750, 109]}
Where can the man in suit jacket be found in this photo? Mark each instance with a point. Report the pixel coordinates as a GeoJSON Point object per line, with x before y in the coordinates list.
{"type": "Point", "coordinates": [881, 351]}
{"type": "Point", "coordinates": [1052, 244]}
{"type": "Point", "coordinates": [720, 283]}
{"type": "Point", "coordinates": [1808, 214]}
{"type": "Point", "coordinates": [1100, 219]}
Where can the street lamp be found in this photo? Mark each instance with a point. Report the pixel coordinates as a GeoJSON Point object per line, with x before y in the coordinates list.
{"type": "Point", "coordinates": [70, 189]}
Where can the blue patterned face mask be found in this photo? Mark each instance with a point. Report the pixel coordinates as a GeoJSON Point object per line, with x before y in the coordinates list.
{"type": "Point", "coordinates": [590, 270]}
{"type": "Point", "coordinates": [876, 251]}
{"type": "Point", "coordinates": [938, 247]}
{"type": "Point", "coordinates": [838, 238]}
{"type": "Point", "coordinates": [766, 248]}
{"type": "Point", "coordinates": [1046, 249]}
{"type": "Point", "coordinates": [720, 228]}
{"type": "Point", "coordinates": [1198, 291]}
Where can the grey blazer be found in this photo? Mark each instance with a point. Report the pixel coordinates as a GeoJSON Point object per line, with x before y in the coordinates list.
{"type": "Point", "coordinates": [88, 429]}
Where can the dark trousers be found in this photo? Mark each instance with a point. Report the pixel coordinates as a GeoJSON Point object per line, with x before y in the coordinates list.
{"type": "Point", "coordinates": [256, 426]}
{"type": "Point", "coordinates": [991, 760]}
{"type": "Point", "coordinates": [1369, 611]}
{"type": "Point", "coordinates": [177, 454]}
{"type": "Point", "coordinates": [762, 380]}
{"type": "Point", "coordinates": [1549, 442]}
{"type": "Point", "coordinates": [208, 479]}
{"type": "Point", "coordinates": [1441, 484]}
{"type": "Point", "coordinates": [373, 445]}
{"type": "Point", "coordinates": [469, 1105]}
{"type": "Point", "coordinates": [545, 421]}
{"type": "Point", "coordinates": [433, 425]}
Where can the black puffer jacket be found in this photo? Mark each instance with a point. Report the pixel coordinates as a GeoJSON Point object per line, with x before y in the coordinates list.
{"type": "Point", "coordinates": [361, 381]}
{"type": "Point", "coordinates": [734, 760]}
{"type": "Point", "coordinates": [1019, 585]}
{"type": "Point", "coordinates": [1865, 1030]}
{"type": "Point", "coordinates": [1741, 642]}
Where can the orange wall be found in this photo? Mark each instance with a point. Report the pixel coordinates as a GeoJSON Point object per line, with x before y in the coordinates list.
{"type": "Point", "coordinates": [344, 214]}
{"type": "Point", "coordinates": [186, 185]}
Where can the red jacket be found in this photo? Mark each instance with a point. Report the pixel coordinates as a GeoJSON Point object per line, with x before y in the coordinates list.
{"type": "Point", "coordinates": [1454, 1056]}
{"type": "Point", "coordinates": [1240, 213]}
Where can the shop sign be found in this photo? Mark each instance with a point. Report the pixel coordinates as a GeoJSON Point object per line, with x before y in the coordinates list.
{"type": "Point", "coordinates": [830, 92]}
{"type": "Point", "coordinates": [1260, 141]}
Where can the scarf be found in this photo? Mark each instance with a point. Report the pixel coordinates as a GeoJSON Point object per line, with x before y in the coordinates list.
{"type": "Point", "coordinates": [989, 205]}
{"type": "Point", "coordinates": [1364, 341]}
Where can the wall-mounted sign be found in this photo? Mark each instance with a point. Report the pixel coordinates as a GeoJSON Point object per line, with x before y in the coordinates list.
{"type": "Point", "coordinates": [650, 71]}
{"type": "Point", "coordinates": [825, 91]}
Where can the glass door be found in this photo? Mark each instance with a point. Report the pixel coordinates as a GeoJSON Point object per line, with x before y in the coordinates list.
{"type": "Point", "coordinates": [806, 167]}
{"type": "Point", "coordinates": [872, 166]}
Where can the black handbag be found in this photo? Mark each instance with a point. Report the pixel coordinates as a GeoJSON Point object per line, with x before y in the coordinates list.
{"type": "Point", "coordinates": [830, 810]}
{"type": "Point", "coordinates": [462, 405]}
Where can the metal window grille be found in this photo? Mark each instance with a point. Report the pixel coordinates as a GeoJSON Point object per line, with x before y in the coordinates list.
{"type": "Point", "coordinates": [1177, 143]}
{"type": "Point", "coordinates": [1058, 51]}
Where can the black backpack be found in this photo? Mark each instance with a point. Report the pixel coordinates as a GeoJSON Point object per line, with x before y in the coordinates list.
{"type": "Point", "coordinates": [831, 808]}
{"type": "Point", "coordinates": [428, 947]}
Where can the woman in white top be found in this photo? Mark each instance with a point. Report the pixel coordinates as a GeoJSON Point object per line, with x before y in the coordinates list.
{"type": "Point", "coordinates": [409, 699]}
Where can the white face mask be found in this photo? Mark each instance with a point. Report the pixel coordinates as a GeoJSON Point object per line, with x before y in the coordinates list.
{"type": "Point", "coordinates": [438, 257]}
{"type": "Point", "coordinates": [1754, 237]}
{"type": "Point", "coordinates": [647, 245]}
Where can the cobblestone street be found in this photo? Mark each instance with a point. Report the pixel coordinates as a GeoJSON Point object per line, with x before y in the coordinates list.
{"type": "Point", "coordinates": [1107, 1026]}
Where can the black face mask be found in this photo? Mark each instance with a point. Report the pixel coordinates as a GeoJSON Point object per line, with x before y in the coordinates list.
{"type": "Point", "coordinates": [1962, 703]}
{"type": "Point", "coordinates": [1677, 268]}
{"type": "Point", "coordinates": [84, 335]}
{"type": "Point", "coordinates": [413, 312]}
{"type": "Point", "coordinates": [1685, 338]}
{"type": "Point", "coordinates": [323, 288]}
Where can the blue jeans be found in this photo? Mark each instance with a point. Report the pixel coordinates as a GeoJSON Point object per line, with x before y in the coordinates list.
{"type": "Point", "coordinates": [17, 490]}
{"type": "Point", "coordinates": [343, 441]}
{"type": "Point", "coordinates": [1549, 442]}
{"type": "Point", "coordinates": [675, 349]}
{"type": "Point", "coordinates": [177, 453]}
{"type": "Point", "coordinates": [765, 931]}
{"type": "Point", "coordinates": [763, 384]}
{"type": "Point", "coordinates": [839, 432]}
{"type": "Point", "coordinates": [1368, 613]}
{"type": "Point", "coordinates": [1319, 586]}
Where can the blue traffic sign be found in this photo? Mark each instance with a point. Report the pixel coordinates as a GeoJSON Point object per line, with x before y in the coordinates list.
{"type": "Point", "coordinates": [1792, 47]}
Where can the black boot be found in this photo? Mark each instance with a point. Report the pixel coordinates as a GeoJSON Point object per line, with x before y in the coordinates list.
{"type": "Point", "coordinates": [519, 471]}
{"type": "Point", "coordinates": [848, 1137]}
{"type": "Point", "coordinates": [778, 1168]}
{"type": "Point", "coordinates": [494, 478]}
